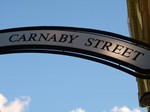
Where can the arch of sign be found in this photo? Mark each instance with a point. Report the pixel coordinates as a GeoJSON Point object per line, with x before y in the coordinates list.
{"type": "Point", "coordinates": [112, 49]}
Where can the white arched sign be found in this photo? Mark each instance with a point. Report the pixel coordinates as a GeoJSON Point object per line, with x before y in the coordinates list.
{"type": "Point", "coordinates": [108, 48]}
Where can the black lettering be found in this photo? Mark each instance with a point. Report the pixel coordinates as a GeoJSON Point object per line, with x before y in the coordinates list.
{"type": "Point", "coordinates": [52, 38]}
{"type": "Point", "coordinates": [63, 38]}
{"type": "Point", "coordinates": [42, 36]}
{"type": "Point", "coordinates": [89, 43]}
{"type": "Point", "coordinates": [137, 55]}
{"type": "Point", "coordinates": [23, 38]}
{"type": "Point", "coordinates": [106, 46]}
{"type": "Point", "coordinates": [13, 38]}
{"type": "Point", "coordinates": [127, 52]}
{"type": "Point", "coordinates": [118, 49]}
{"type": "Point", "coordinates": [98, 42]}
{"type": "Point", "coordinates": [72, 38]}
{"type": "Point", "coordinates": [32, 37]}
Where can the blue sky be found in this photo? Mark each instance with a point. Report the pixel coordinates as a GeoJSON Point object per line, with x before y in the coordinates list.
{"type": "Point", "coordinates": [36, 82]}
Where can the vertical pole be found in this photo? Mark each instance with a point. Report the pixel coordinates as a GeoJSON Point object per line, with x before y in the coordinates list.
{"type": "Point", "coordinates": [139, 24]}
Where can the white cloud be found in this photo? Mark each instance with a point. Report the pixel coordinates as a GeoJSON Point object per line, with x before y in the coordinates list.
{"type": "Point", "coordinates": [78, 110]}
{"type": "Point", "coordinates": [18, 105]}
{"type": "Point", "coordinates": [115, 109]}
{"type": "Point", "coordinates": [124, 109]}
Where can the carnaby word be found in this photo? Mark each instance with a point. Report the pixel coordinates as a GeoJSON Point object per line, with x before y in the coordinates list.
{"type": "Point", "coordinates": [42, 37]}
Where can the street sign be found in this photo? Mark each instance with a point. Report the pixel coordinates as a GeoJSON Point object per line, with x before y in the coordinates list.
{"type": "Point", "coordinates": [112, 49]}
